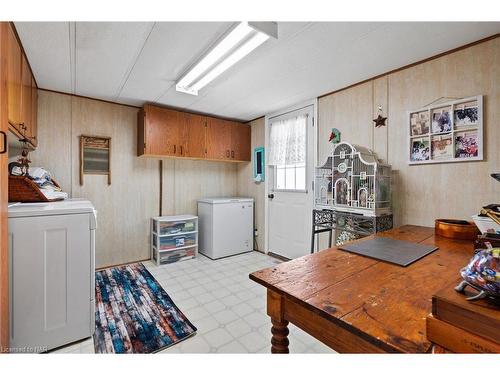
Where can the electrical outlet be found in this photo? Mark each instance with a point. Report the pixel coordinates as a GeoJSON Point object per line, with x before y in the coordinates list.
{"type": "Point", "coordinates": [256, 232]}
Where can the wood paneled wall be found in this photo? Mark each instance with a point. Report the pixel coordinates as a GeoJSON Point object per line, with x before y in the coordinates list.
{"type": "Point", "coordinates": [248, 188]}
{"type": "Point", "coordinates": [186, 181]}
{"type": "Point", "coordinates": [126, 206]}
{"type": "Point", "coordinates": [422, 193]}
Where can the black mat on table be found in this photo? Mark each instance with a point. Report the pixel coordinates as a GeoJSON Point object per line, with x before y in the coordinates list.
{"type": "Point", "coordinates": [398, 252]}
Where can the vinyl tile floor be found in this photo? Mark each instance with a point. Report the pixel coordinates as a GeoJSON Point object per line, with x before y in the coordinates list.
{"type": "Point", "coordinates": [228, 309]}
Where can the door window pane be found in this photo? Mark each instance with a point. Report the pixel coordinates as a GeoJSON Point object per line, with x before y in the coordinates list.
{"type": "Point", "coordinates": [300, 177]}
{"type": "Point", "coordinates": [287, 149]}
{"type": "Point", "coordinates": [290, 177]}
{"type": "Point", "coordinates": [280, 178]}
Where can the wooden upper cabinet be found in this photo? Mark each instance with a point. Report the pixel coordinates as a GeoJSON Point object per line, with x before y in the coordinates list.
{"type": "Point", "coordinates": [26, 98]}
{"type": "Point", "coordinates": [228, 140]}
{"type": "Point", "coordinates": [22, 94]}
{"type": "Point", "coordinates": [195, 141]}
{"type": "Point", "coordinates": [14, 80]}
{"type": "Point", "coordinates": [240, 142]}
{"type": "Point", "coordinates": [218, 139]}
{"type": "Point", "coordinates": [34, 112]}
{"type": "Point", "coordinates": [163, 131]}
{"type": "Point", "coordinates": [141, 132]}
{"type": "Point", "coordinates": [167, 132]}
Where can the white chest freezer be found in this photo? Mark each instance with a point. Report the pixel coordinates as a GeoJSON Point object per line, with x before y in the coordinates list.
{"type": "Point", "coordinates": [52, 274]}
{"type": "Point", "coordinates": [225, 226]}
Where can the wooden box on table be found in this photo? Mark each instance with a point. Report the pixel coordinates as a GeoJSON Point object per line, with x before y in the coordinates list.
{"type": "Point", "coordinates": [463, 326]}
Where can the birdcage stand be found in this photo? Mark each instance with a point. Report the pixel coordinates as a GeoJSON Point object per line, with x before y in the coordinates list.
{"type": "Point", "coordinates": [326, 220]}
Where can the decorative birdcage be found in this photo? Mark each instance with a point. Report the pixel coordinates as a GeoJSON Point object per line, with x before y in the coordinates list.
{"type": "Point", "coordinates": [323, 192]}
{"type": "Point", "coordinates": [353, 180]}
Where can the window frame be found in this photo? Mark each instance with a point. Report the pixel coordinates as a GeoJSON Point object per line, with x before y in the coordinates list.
{"type": "Point", "coordinates": [294, 166]}
{"type": "Point", "coordinates": [282, 117]}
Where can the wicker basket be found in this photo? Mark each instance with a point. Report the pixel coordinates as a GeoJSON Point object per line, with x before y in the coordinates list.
{"type": "Point", "coordinates": [22, 189]}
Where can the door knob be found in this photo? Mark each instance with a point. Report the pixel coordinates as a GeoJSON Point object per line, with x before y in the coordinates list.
{"type": "Point", "coordinates": [270, 196]}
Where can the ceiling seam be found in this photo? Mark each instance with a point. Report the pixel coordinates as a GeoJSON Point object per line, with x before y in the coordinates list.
{"type": "Point", "coordinates": [72, 55]}
{"type": "Point", "coordinates": [192, 64]}
{"type": "Point", "coordinates": [265, 48]}
{"type": "Point", "coordinates": [162, 93]}
{"type": "Point", "coordinates": [127, 74]}
{"type": "Point", "coordinates": [70, 59]}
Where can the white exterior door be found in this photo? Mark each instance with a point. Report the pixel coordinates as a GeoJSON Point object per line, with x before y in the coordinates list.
{"type": "Point", "coordinates": [290, 195]}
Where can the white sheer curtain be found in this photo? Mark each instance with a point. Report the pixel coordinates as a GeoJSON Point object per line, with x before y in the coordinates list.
{"type": "Point", "coordinates": [287, 141]}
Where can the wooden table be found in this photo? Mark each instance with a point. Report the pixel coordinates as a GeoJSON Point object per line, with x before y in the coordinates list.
{"type": "Point", "coordinates": [356, 304]}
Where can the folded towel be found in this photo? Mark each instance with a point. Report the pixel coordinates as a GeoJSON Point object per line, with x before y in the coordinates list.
{"type": "Point", "coordinates": [51, 194]}
{"type": "Point", "coordinates": [39, 173]}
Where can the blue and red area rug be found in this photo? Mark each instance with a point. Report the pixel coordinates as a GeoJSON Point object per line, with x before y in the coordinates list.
{"type": "Point", "coordinates": [134, 314]}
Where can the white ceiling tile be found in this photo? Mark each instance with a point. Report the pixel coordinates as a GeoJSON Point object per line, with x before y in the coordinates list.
{"type": "Point", "coordinates": [171, 48]}
{"type": "Point", "coordinates": [307, 60]}
{"type": "Point", "coordinates": [47, 48]}
{"type": "Point", "coordinates": [105, 54]}
{"type": "Point", "coordinates": [326, 57]}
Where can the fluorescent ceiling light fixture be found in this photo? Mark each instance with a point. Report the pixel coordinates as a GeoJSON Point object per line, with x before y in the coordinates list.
{"type": "Point", "coordinates": [238, 43]}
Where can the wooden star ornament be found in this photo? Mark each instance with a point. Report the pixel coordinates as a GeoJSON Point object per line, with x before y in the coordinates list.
{"type": "Point", "coordinates": [379, 121]}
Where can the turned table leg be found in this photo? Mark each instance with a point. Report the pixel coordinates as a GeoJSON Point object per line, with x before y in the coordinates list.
{"type": "Point", "coordinates": [279, 340]}
{"type": "Point", "coordinates": [279, 330]}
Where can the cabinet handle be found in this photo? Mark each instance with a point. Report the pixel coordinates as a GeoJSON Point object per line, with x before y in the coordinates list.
{"type": "Point", "coordinates": [181, 149]}
{"type": "Point", "coordinates": [175, 149]}
{"type": "Point", "coordinates": [227, 153]}
{"type": "Point", "coordinates": [232, 154]}
{"type": "Point", "coordinates": [4, 143]}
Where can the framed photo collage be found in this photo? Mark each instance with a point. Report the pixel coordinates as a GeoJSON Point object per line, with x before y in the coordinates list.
{"type": "Point", "coordinates": [447, 132]}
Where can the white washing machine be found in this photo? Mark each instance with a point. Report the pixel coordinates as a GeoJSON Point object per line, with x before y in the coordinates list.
{"type": "Point", "coordinates": [52, 274]}
{"type": "Point", "coordinates": [225, 226]}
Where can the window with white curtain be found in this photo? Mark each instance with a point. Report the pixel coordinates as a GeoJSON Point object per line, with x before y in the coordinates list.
{"type": "Point", "coordinates": [287, 153]}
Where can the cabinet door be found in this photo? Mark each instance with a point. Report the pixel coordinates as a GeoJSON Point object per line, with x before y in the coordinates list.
{"type": "Point", "coordinates": [141, 133]}
{"type": "Point", "coordinates": [4, 160]}
{"type": "Point", "coordinates": [163, 131]}
{"type": "Point", "coordinates": [34, 112]}
{"type": "Point", "coordinates": [195, 142]}
{"type": "Point", "coordinates": [240, 142]}
{"type": "Point", "coordinates": [26, 98]}
{"type": "Point", "coordinates": [218, 139]}
{"type": "Point", "coordinates": [13, 79]}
